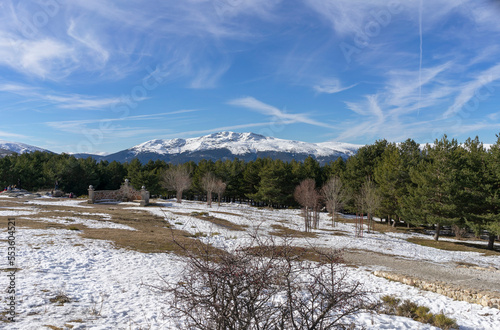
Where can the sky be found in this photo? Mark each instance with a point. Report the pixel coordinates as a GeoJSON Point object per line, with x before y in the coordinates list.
{"type": "Point", "coordinates": [98, 76]}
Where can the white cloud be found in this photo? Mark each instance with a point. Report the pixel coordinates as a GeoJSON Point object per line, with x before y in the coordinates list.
{"type": "Point", "coordinates": [79, 125]}
{"type": "Point", "coordinates": [63, 101]}
{"type": "Point", "coordinates": [9, 135]}
{"type": "Point", "coordinates": [474, 90]}
{"type": "Point", "coordinates": [223, 128]}
{"type": "Point", "coordinates": [331, 86]}
{"type": "Point", "coordinates": [269, 110]}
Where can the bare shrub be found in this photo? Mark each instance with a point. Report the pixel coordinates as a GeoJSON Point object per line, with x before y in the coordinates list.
{"type": "Point", "coordinates": [263, 285]}
{"type": "Point", "coordinates": [459, 232]}
{"type": "Point", "coordinates": [178, 179]}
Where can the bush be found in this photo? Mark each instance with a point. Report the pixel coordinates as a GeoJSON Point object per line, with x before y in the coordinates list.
{"type": "Point", "coordinates": [407, 309]}
{"type": "Point", "coordinates": [391, 305]}
{"type": "Point", "coordinates": [422, 315]}
{"type": "Point", "coordinates": [263, 285]}
{"type": "Point", "coordinates": [444, 322]}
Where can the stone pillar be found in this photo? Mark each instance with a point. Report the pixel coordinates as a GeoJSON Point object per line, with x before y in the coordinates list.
{"type": "Point", "coordinates": [144, 196]}
{"type": "Point", "coordinates": [91, 195]}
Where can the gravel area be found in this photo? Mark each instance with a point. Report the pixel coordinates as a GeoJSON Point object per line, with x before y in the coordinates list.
{"type": "Point", "coordinates": [452, 273]}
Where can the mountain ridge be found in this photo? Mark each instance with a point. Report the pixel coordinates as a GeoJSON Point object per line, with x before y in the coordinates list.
{"type": "Point", "coordinates": [19, 148]}
{"type": "Point", "coordinates": [221, 145]}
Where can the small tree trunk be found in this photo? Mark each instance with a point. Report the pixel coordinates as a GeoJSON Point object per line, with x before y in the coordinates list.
{"type": "Point", "coordinates": [179, 196]}
{"type": "Point", "coordinates": [438, 229]}
{"type": "Point", "coordinates": [491, 241]}
{"type": "Point", "coordinates": [306, 214]}
{"type": "Point", "coordinates": [209, 199]}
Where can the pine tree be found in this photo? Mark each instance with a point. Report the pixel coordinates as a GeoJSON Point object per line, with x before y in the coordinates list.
{"type": "Point", "coordinates": [492, 217]}
{"type": "Point", "coordinates": [389, 174]}
{"type": "Point", "coordinates": [273, 185]}
{"type": "Point", "coordinates": [434, 199]}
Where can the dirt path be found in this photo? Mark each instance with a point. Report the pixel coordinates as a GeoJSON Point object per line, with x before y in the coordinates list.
{"type": "Point", "coordinates": [451, 273]}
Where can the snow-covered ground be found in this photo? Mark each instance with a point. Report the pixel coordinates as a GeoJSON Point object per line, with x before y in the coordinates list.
{"type": "Point", "coordinates": [109, 286]}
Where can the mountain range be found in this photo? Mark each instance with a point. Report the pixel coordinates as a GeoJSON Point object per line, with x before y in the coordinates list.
{"type": "Point", "coordinates": [9, 148]}
{"type": "Point", "coordinates": [222, 145]}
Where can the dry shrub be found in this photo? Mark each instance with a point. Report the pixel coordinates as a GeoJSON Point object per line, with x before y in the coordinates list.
{"type": "Point", "coordinates": [263, 285]}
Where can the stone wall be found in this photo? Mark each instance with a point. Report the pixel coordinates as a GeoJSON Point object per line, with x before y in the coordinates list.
{"type": "Point", "coordinates": [126, 193]}
{"type": "Point", "coordinates": [484, 298]}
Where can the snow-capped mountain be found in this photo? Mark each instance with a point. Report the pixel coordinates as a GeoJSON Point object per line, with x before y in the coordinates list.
{"type": "Point", "coordinates": [228, 145]}
{"type": "Point", "coordinates": [19, 148]}
{"type": "Point", "coordinates": [222, 145]}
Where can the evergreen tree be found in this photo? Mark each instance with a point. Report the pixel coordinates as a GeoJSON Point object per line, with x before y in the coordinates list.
{"type": "Point", "coordinates": [251, 178]}
{"type": "Point", "coordinates": [273, 185]}
{"type": "Point", "coordinates": [434, 199]}
{"type": "Point", "coordinates": [388, 175]}
{"type": "Point", "coordinates": [491, 219]}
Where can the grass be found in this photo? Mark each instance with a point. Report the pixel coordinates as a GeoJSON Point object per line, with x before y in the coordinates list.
{"type": "Point", "coordinates": [282, 231]}
{"type": "Point", "coordinates": [381, 227]}
{"type": "Point", "coordinates": [60, 299]}
{"type": "Point", "coordinates": [298, 253]}
{"type": "Point", "coordinates": [151, 234]}
{"type": "Point", "coordinates": [218, 221]}
{"type": "Point", "coordinates": [336, 232]}
{"type": "Point", "coordinates": [455, 246]}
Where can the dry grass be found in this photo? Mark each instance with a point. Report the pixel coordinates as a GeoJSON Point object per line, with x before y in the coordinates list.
{"type": "Point", "coordinates": [336, 232]}
{"type": "Point", "coordinates": [216, 221]}
{"type": "Point", "coordinates": [282, 231]}
{"type": "Point", "coordinates": [152, 235]}
{"type": "Point", "coordinates": [455, 246]}
{"type": "Point", "coordinates": [53, 327]}
{"type": "Point", "coordinates": [227, 213]}
{"type": "Point", "coordinates": [297, 253]}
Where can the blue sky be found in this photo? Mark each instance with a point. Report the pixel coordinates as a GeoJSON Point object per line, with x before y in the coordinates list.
{"type": "Point", "coordinates": [100, 76]}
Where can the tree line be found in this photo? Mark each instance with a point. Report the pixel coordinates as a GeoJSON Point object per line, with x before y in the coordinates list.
{"type": "Point", "coordinates": [441, 184]}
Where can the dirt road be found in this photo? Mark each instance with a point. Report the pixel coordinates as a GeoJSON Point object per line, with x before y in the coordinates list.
{"type": "Point", "coordinates": [451, 273]}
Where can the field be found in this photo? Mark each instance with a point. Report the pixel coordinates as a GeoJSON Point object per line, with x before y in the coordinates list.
{"type": "Point", "coordinates": [82, 266]}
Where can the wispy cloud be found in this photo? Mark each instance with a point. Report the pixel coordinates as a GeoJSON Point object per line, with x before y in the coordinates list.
{"type": "Point", "coordinates": [83, 124]}
{"type": "Point", "coordinates": [223, 128]}
{"type": "Point", "coordinates": [9, 135]}
{"type": "Point", "coordinates": [110, 40]}
{"type": "Point", "coordinates": [331, 86]}
{"type": "Point", "coordinates": [407, 105]}
{"type": "Point", "coordinates": [269, 110]}
{"type": "Point", "coordinates": [472, 89]}
{"type": "Point", "coordinates": [71, 101]}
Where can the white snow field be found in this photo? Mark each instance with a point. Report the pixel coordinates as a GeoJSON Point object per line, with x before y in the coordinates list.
{"type": "Point", "coordinates": [109, 288]}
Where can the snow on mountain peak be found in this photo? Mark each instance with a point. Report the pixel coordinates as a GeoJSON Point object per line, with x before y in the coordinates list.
{"type": "Point", "coordinates": [243, 143]}
{"type": "Point", "coordinates": [19, 148]}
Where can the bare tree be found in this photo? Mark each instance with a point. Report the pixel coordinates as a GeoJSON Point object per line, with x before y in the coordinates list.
{"type": "Point", "coordinates": [359, 202]}
{"type": "Point", "coordinates": [220, 188]}
{"type": "Point", "coordinates": [334, 196]}
{"type": "Point", "coordinates": [177, 178]}
{"type": "Point", "coordinates": [370, 200]}
{"type": "Point", "coordinates": [264, 285]}
{"type": "Point", "coordinates": [209, 184]}
{"type": "Point", "coordinates": [306, 195]}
